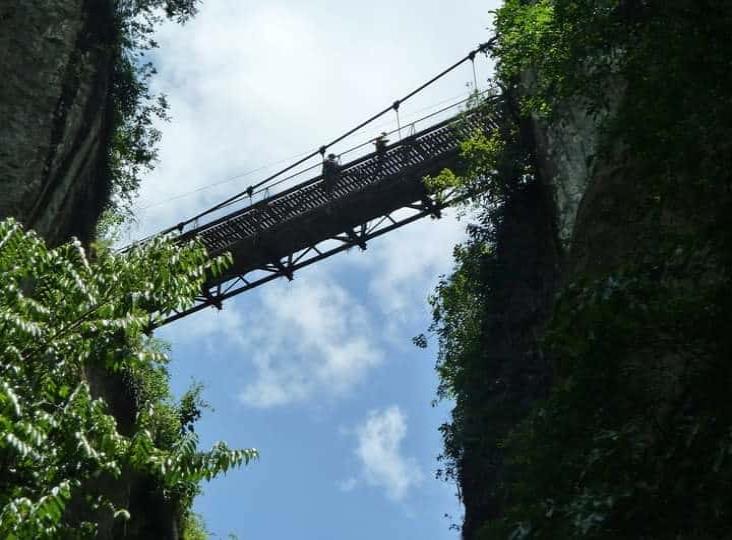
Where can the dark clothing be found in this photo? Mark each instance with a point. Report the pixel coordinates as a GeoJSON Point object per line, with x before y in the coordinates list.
{"type": "Point", "coordinates": [380, 144]}
{"type": "Point", "coordinates": [331, 172]}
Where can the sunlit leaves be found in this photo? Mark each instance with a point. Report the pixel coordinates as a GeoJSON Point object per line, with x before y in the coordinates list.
{"type": "Point", "coordinates": [63, 321]}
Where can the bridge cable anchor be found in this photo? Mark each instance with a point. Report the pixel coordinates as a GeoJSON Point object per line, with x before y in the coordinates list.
{"type": "Point", "coordinates": [487, 46]}
{"type": "Point", "coordinates": [430, 206]}
{"type": "Point", "coordinates": [357, 239]}
{"type": "Point", "coordinates": [211, 300]}
{"type": "Point", "coordinates": [395, 106]}
{"type": "Point", "coordinates": [285, 271]}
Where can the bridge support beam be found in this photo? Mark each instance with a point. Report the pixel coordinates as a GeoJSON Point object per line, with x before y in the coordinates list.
{"type": "Point", "coordinates": [432, 207]}
{"type": "Point", "coordinates": [314, 253]}
{"type": "Point", "coordinates": [358, 239]}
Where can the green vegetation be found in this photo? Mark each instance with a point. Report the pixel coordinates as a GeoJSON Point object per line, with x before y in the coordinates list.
{"type": "Point", "coordinates": [91, 439]}
{"type": "Point", "coordinates": [134, 108]}
{"type": "Point", "coordinates": [194, 528]}
{"type": "Point", "coordinates": [69, 325]}
{"type": "Point", "coordinates": [633, 436]}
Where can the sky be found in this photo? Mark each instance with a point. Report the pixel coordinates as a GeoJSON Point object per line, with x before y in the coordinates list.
{"type": "Point", "coordinates": [319, 374]}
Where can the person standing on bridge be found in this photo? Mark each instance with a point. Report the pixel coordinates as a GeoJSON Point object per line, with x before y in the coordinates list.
{"type": "Point", "coordinates": [331, 172]}
{"type": "Point", "coordinates": [380, 143]}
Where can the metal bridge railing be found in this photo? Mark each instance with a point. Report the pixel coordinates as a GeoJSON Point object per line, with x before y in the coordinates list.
{"type": "Point", "coordinates": [412, 153]}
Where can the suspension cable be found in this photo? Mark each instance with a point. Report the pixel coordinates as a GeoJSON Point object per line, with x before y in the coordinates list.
{"type": "Point", "coordinates": [266, 190]}
{"type": "Point", "coordinates": [370, 141]}
{"type": "Point", "coordinates": [475, 75]}
{"type": "Point", "coordinates": [482, 48]}
{"type": "Point", "coordinates": [249, 172]}
{"type": "Point", "coordinates": [399, 123]}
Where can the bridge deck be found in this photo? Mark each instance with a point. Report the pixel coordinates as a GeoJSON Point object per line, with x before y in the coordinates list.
{"type": "Point", "coordinates": [282, 233]}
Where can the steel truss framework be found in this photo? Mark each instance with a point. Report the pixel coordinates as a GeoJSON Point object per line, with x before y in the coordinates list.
{"type": "Point", "coordinates": [371, 196]}
{"type": "Point", "coordinates": [358, 237]}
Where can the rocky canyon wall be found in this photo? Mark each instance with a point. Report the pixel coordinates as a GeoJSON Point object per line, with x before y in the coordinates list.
{"type": "Point", "coordinates": [55, 75]}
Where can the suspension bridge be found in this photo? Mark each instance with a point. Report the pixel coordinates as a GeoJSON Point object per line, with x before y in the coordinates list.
{"type": "Point", "coordinates": [344, 206]}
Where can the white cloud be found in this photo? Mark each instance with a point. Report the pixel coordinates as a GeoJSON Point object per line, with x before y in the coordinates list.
{"type": "Point", "coordinates": [411, 261]}
{"type": "Point", "coordinates": [379, 451]}
{"type": "Point", "coordinates": [316, 337]}
{"type": "Point", "coordinates": [206, 325]}
{"type": "Point", "coordinates": [402, 269]}
{"type": "Point", "coordinates": [348, 485]}
{"type": "Point", "coordinates": [313, 339]}
{"type": "Point", "coordinates": [258, 81]}
{"type": "Point", "coordinates": [296, 341]}
{"type": "Point", "coordinates": [254, 82]}
{"type": "Point", "coordinates": [321, 336]}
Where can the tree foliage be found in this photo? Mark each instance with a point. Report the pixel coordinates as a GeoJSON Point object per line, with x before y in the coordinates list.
{"type": "Point", "coordinates": [633, 440]}
{"type": "Point", "coordinates": [65, 321]}
{"type": "Point", "coordinates": [135, 108]}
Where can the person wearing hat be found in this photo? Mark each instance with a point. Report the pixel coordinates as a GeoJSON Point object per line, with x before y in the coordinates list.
{"type": "Point", "coordinates": [331, 171]}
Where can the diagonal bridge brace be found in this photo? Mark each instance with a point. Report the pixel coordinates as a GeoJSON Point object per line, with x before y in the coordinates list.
{"type": "Point", "coordinates": [287, 266]}
{"type": "Point", "coordinates": [370, 196]}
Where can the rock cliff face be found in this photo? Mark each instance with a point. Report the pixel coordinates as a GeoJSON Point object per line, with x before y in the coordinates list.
{"type": "Point", "coordinates": [638, 334]}
{"type": "Point", "coordinates": [565, 156]}
{"type": "Point", "coordinates": [543, 228]}
{"type": "Point", "coordinates": [56, 70]}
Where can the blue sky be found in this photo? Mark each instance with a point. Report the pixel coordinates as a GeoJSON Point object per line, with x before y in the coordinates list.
{"type": "Point", "coordinates": [319, 374]}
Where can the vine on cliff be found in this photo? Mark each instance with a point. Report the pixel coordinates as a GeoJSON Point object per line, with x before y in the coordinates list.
{"type": "Point", "coordinates": [634, 439]}
{"type": "Point", "coordinates": [480, 303]}
{"type": "Point", "coordinates": [135, 108]}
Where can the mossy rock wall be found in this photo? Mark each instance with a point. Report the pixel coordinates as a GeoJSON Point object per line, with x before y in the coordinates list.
{"type": "Point", "coordinates": [55, 66]}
